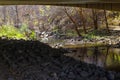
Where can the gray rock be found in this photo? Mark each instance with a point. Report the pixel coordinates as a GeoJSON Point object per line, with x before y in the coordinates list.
{"type": "Point", "coordinates": [104, 78]}
{"type": "Point", "coordinates": [84, 74]}
{"type": "Point", "coordinates": [110, 76]}
{"type": "Point", "coordinates": [79, 78]}
{"type": "Point", "coordinates": [71, 75]}
{"type": "Point", "coordinates": [11, 78]}
{"type": "Point", "coordinates": [62, 74]}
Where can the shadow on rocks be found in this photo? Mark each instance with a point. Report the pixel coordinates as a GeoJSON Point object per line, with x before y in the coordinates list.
{"type": "Point", "coordinates": [33, 60]}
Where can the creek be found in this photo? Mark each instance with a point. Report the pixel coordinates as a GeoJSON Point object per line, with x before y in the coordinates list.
{"type": "Point", "coordinates": [102, 55]}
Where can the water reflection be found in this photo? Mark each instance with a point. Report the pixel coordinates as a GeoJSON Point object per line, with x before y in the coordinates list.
{"type": "Point", "coordinates": [104, 56]}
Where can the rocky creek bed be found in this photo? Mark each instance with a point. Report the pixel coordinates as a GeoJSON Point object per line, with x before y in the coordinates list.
{"type": "Point", "coordinates": [112, 38]}
{"type": "Point", "coordinates": [33, 60]}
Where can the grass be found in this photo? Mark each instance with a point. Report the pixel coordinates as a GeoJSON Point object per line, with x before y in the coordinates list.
{"type": "Point", "coordinates": [11, 32]}
{"type": "Point", "coordinates": [95, 34]}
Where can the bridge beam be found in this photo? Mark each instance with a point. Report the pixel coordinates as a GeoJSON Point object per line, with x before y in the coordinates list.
{"type": "Point", "coordinates": [99, 4]}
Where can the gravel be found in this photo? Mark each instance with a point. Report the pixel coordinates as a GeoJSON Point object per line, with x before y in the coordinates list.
{"type": "Point", "coordinates": [33, 60]}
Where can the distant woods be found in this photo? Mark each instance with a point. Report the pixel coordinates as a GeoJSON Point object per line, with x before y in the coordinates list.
{"type": "Point", "coordinates": [97, 17]}
{"type": "Point", "coordinates": [58, 19]}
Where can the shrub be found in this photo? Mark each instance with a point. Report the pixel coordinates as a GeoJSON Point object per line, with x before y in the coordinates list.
{"type": "Point", "coordinates": [11, 32]}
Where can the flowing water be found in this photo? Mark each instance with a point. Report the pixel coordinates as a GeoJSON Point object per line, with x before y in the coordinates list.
{"type": "Point", "coordinates": [103, 56]}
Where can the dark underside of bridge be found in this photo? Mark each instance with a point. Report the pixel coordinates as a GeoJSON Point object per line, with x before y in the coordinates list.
{"type": "Point", "coordinates": [99, 4]}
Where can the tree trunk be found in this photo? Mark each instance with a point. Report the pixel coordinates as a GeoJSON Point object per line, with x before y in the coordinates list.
{"type": "Point", "coordinates": [82, 20]}
{"type": "Point", "coordinates": [4, 15]}
{"type": "Point", "coordinates": [76, 26]}
{"type": "Point", "coordinates": [17, 17]}
{"type": "Point", "coordinates": [106, 22]}
{"type": "Point", "coordinates": [95, 19]}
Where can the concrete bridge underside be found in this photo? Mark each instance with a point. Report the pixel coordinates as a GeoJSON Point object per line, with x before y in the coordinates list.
{"type": "Point", "coordinates": [98, 4]}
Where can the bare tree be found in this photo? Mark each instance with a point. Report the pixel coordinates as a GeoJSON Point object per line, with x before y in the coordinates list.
{"type": "Point", "coordinates": [82, 20]}
{"type": "Point", "coordinates": [73, 21]}
{"type": "Point", "coordinates": [106, 22]}
{"type": "Point", "coordinates": [95, 19]}
{"type": "Point", "coordinates": [4, 15]}
{"type": "Point", "coordinates": [16, 24]}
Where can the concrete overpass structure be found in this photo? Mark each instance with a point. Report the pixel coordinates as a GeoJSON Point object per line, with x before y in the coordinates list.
{"type": "Point", "coordinates": [99, 4]}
